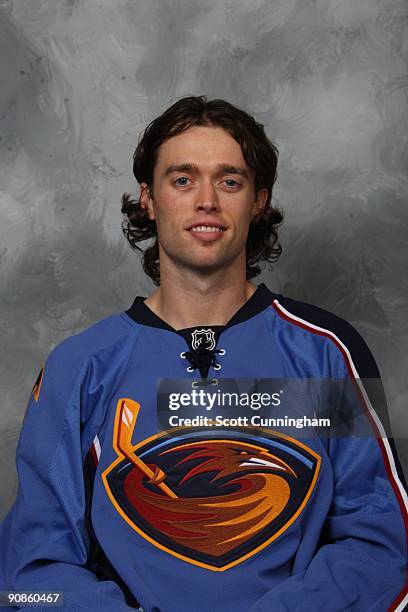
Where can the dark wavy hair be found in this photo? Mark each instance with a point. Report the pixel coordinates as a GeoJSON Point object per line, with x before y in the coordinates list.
{"type": "Point", "coordinates": [258, 151]}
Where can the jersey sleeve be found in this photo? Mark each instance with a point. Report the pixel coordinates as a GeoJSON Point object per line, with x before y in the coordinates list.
{"type": "Point", "coordinates": [44, 536]}
{"type": "Point", "coordinates": [361, 563]}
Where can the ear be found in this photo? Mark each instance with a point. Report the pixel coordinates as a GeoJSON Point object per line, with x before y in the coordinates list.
{"type": "Point", "coordinates": [260, 203]}
{"type": "Point", "coordinates": [146, 200]}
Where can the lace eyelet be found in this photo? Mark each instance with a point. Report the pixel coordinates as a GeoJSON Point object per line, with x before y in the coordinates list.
{"type": "Point", "coordinates": [222, 352]}
{"type": "Point", "coordinates": [217, 366]}
{"type": "Point", "coordinates": [204, 382]}
{"type": "Point", "coordinates": [183, 354]}
{"type": "Point", "coordinates": [190, 369]}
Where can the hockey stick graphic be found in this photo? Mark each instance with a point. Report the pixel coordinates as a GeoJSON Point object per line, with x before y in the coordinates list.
{"type": "Point", "coordinates": [129, 410]}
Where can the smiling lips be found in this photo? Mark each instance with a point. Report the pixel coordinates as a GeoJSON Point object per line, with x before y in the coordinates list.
{"type": "Point", "coordinates": [206, 232]}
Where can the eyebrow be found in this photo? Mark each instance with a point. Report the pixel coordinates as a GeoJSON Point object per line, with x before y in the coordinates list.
{"type": "Point", "coordinates": [221, 168]}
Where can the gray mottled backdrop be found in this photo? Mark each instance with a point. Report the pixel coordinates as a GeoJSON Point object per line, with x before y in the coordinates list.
{"type": "Point", "coordinates": [79, 81]}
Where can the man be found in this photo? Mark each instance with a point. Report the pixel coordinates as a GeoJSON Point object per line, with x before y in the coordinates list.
{"type": "Point", "coordinates": [124, 499]}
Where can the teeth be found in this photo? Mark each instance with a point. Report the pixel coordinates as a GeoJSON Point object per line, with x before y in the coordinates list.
{"type": "Point", "coordinates": [206, 228]}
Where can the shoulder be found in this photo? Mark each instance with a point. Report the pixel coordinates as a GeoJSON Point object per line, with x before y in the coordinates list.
{"type": "Point", "coordinates": [321, 322]}
{"type": "Point", "coordinates": [109, 337]}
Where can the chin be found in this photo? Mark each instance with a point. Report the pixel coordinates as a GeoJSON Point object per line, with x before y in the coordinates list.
{"type": "Point", "coordinates": [207, 267]}
{"type": "Point", "coordinates": [204, 262]}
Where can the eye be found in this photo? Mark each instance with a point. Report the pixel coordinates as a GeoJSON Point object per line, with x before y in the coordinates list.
{"type": "Point", "coordinates": [182, 180]}
{"type": "Point", "coordinates": [231, 183]}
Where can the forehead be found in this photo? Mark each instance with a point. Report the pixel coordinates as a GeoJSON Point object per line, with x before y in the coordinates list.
{"type": "Point", "coordinates": [204, 146]}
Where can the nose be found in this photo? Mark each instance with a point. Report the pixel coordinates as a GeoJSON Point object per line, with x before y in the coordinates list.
{"type": "Point", "coordinates": [207, 198]}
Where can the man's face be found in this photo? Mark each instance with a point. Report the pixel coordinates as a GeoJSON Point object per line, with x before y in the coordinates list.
{"type": "Point", "coordinates": [203, 199]}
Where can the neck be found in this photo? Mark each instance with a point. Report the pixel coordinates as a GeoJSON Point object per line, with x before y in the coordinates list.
{"type": "Point", "coordinates": [186, 299]}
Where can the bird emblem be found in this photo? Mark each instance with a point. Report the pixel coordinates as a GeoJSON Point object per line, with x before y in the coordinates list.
{"type": "Point", "coordinates": [212, 498]}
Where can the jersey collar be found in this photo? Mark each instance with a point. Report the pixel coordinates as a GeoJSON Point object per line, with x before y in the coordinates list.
{"type": "Point", "coordinates": [259, 300]}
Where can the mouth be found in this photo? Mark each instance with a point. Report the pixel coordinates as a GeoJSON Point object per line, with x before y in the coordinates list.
{"type": "Point", "coordinates": [206, 232]}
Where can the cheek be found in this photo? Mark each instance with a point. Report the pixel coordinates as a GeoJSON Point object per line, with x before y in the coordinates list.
{"type": "Point", "coordinates": [242, 219]}
{"type": "Point", "coordinates": [168, 215]}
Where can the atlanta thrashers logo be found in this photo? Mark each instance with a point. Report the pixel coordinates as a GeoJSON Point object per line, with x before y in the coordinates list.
{"type": "Point", "coordinates": [212, 498]}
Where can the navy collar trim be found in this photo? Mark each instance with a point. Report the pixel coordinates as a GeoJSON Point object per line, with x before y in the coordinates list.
{"type": "Point", "coordinates": [259, 300]}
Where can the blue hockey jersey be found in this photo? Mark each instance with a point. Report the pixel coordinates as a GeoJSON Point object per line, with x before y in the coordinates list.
{"type": "Point", "coordinates": [118, 512]}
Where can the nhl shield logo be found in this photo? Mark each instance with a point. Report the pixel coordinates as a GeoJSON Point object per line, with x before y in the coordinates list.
{"type": "Point", "coordinates": [203, 338]}
{"type": "Point", "coordinates": [209, 497]}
